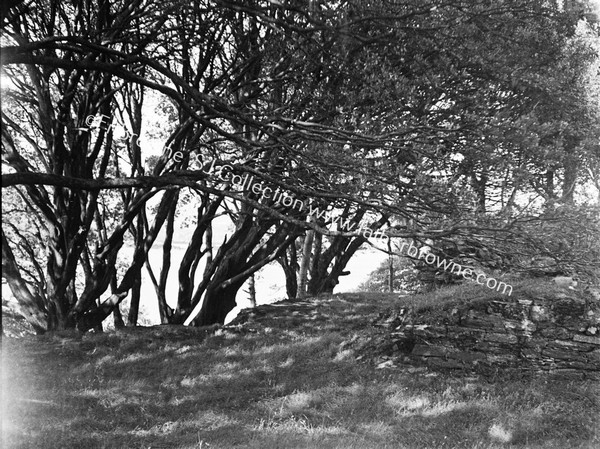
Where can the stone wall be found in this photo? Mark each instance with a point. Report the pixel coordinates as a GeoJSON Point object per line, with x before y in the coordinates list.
{"type": "Point", "coordinates": [557, 334]}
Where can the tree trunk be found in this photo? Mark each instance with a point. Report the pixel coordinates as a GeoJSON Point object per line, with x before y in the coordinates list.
{"type": "Point", "coordinates": [98, 328]}
{"type": "Point", "coordinates": [234, 263]}
{"type": "Point", "coordinates": [252, 291]}
{"type": "Point", "coordinates": [160, 286]}
{"type": "Point", "coordinates": [92, 318]}
{"type": "Point", "coordinates": [317, 249]}
{"type": "Point", "coordinates": [30, 306]}
{"type": "Point", "coordinates": [118, 318]}
{"type": "Point", "coordinates": [304, 264]}
{"type": "Point", "coordinates": [339, 252]}
{"type": "Point", "coordinates": [134, 305]}
{"type": "Point", "coordinates": [217, 303]}
{"type": "Point", "coordinates": [571, 166]}
{"type": "Point", "coordinates": [117, 315]}
{"type": "Point", "coordinates": [479, 186]}
{"type": "Point", "coordinates": [189, 263]}
{"type": "Point", "coordinates": [289, 263]}
{"type": "Point", "coordinates": [390, 267]}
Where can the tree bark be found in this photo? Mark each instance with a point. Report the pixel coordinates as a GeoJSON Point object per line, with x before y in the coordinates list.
{"type": "Point", "coordinates": [390, 267]}
{"type": "Point", "coordinates": [234, 263]}
{"type": "Point", "coordinates": [30, 306]}
{"type": "Point", "coordinates": [252, 290]}
{"type": "Point", "coordinates": [217, 303]}
{"type": "Point", "coordinates": [305, 263]}
{"type": "Point", "coordinates": [118, 318]}
{"type": "Point", "coordinates": [289, 264]}
{"type": "Point", "coordinates": [134, 305]}
{"type": "Point", "coordinates": [571, 167]}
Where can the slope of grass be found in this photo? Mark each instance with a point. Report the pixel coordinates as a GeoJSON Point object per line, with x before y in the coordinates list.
{"type": "Point", "coordinates": [286, 378]}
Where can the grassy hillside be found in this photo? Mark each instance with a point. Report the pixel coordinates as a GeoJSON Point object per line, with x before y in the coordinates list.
{"type": "Point", "coordinates": [286, 378]}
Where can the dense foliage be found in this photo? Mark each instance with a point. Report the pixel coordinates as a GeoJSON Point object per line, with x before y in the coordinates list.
{"type": "Point", "coordinates": [435, 121]}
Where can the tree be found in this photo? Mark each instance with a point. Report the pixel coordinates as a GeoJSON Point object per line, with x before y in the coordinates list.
{"type": "Point", "coordinates": [372, 111]}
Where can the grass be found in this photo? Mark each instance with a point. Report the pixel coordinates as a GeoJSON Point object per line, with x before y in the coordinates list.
{"type": "Point", "coordinates": [285, 379]}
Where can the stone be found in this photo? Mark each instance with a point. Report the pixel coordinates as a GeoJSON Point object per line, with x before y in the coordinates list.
{"type": "Point", "coordinates": [595, 293]}
{"type": "Point", "coordinates": [564, 354]}
{"type": "Point", "coordinates": [483, 322]}
{"type": "Point", "coordinates": [582, 366]}
{"type": "Point", "coordinates": [468, 357]}
{"type": "Point", "coordinates": [441, 363]}
{"type": "Point", "coordinates": [556, 332]}
{"type": "Point", "coordinates": [573, 345]}
{"type": "Point", "coordinates": [569, 374]}
{"type": "Point", "coordinates": [506, 309]}
{"type": "Point", "coordinates": [522, 327]}
{"type": "Point", "coordinates": [487, 347]}
{"type": "Point", "coordinates": [430, 331]}
{"type": "Point", "coordinates": [539, 313]}
{"type": "Point", "coordinates": [569, 307]}
{"type": "Point", "coordinates": [502, 358]}
{"type": "Point", "coordinates": [594, 355]}
{"type": "Point", "coordinates": [421, 350]}
{"type": "Point", "coordinates": [459, 332]}
{"type": "Point", "coordinates": [501, 338]}
{"type": "Point", "coordinates": [404, 346]}
{"type": "Point", "coordinates": [511, 324]}
{"type": "Point", "coordinates": [400, 335]}
{"type": "Point", "coordinates": [386, 364]}
{"type": "Point", "coordinates": [565, 281]}
{"type": "Point", "coordinates": [587, 339]}
{"type": "Point", "coordinates": [531, 353]}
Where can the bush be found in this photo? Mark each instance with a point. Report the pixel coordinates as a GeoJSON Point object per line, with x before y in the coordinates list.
{"type": "Point", "coordinates": [563, 240]}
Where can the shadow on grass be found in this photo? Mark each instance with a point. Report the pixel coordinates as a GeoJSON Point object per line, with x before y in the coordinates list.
{"type": "Point", "coordinates": [288, 380]}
